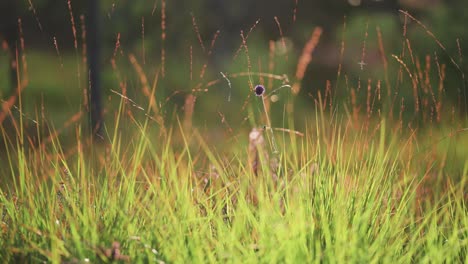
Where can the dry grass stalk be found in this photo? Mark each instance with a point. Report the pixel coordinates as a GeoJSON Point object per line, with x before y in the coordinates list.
{"type": "Point", "coordinates": [188, 111]}
{"type": "Point", "coordinates": [208, 55]}
{"type": "Point", "coordinates": [25, 78]}
{"type": "Point", "coordinates": [249, 64]}
{"type": "Point", "coordinates": [143, 40]}
{"type": "Point", "coordinates": [368, 101]}
{"type": "Point", "coordinates": [84, 60]}
{"type": "Point", "coordinates": [246, 37]}
{"type": "Point", "coordinates": [22, 81]}
{"type": "Point", "coordinates": [271, 62]}
{"type": "Point", "coordinates": [283, 42]}
{"type": "Point", "coordinates": [57, 50]}
{"type": "Point", "coordinates": [36, 17]}
{"type": "Point", "coordinates": [72, 21]}
{"type": "Point", "coordinates": [428, 32]}
{"type": "Point", "coordinates": [328, 95]}
{"type": "Point", "coordinates": [306, 58]}
{"type": "Point", "coordinates": [385, 64]}
{"type": "Point", "coordinates": [295, 10]}
{"type": "Point", "coordinates": [197, 32]}
{"type": "Point", "coordinates": [146, 90]}
{"type": "Point", "coordinates": [8, 104]}
{"type": "Point", "coordinates": [355, 107]}
{"type": "Point", "coordinates": [256, 145]}
{"type": "Point", "coordinates": [163, 38]}
{"type": "Point", "coordinates": [414, 82]}
{"type": "Point", "coordinates": [55, 133]}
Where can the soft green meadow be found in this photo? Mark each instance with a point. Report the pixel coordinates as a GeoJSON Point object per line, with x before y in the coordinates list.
{"type": "Point", "coordinates": [343, 175]}
{"type": "Point", "coordinates": [335, 194]}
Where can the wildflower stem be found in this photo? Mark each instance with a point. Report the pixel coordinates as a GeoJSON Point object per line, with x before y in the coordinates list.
{"type": "Point", "coordinates": [271, 136]}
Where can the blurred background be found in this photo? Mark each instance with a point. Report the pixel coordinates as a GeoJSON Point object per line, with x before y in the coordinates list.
{"type": "Point", "coordinates": [186, 44]}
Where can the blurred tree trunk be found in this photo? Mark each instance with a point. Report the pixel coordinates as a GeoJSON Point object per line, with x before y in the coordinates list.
{"type": "Point", "coordinates": [93, 43]}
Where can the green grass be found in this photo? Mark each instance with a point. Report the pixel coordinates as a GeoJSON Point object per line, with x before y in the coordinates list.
{"type": "Point", "coordinates": [337, 195]}
{"type": "Point", "coordinates": [362, 181]}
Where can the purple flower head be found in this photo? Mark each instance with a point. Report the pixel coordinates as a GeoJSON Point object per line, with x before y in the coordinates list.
{"type": "Point", "coordinates": [259, 90]}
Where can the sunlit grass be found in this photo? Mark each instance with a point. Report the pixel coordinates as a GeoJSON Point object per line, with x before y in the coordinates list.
{"type": "Point", "coordinates": [376, 172]}
{"type": "Point", "coordinates": [335, 195]}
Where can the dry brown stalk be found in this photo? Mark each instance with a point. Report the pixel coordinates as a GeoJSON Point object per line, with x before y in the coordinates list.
{"type": "Point", "coordinates": [163, 38]}
{"type": "Point", "coordinates": [146, 89]}
{"type": "Point", "coordinates": [188, 111]}
{"type": "Point", "coordinates": [306, 58]}
{"type": "Point", "coordinates": [256, 145]}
